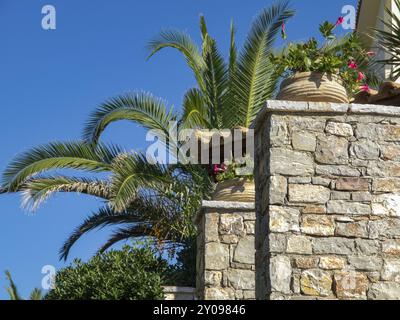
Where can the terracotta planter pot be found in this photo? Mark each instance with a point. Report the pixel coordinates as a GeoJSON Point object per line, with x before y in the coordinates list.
{"type": "Point", "coordinates": [239, 190]}
{"type": "Point", "coordinates": [314, 87]}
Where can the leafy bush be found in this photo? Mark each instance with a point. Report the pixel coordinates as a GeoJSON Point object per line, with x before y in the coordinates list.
{"type": "Point", "coordinates": [344, 57]}
{"type": "Point", "coordinates": [127, 274]}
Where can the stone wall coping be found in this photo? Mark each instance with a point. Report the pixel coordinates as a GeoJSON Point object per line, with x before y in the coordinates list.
{"type": "Point", "coordinates": [173, 289]}
{"type": "Point", "coordinates": [228, 205]}
{"type": "Point", "coordinates": [225, 206]}
{"type": "Point", "coordinates": [272, 106]}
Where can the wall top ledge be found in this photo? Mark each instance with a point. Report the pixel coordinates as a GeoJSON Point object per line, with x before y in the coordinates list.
{"type": "Point", "coordinates": [228, 205]}
{"type": "Point", "coordinates": [272, 106]}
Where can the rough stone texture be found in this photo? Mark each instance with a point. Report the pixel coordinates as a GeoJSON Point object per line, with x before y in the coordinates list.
{"type": "Point", "coordinates": [226, 251]}
{"type": "Point", "coordinates": [317, 225]}
{"type": "Point", "coordinates": [278, 189]}
{"type": "Point", "coordinates": [332, 150]}
{"type": "Point", "coordinates": [352, 184]}
{"type": "Point", "coordinates": [384, 291]}
{"type": "Point", "coordinates": [299, 244]}
{"type": "Point", "coordinates": [283, 219]}
{"type": "Point", "coordinates": [316, 283]}
{"type": "Point", "coordinates": [332, 263]}
{"type": "Point", "coordinates": [308, 193]}
{"type": "Point", "coordinates": [350, 285]}
{"type": "Point", "coordinates": [334, 230]}
{"type": "Point", "coordinates": [290, 163]}
{"type": "Point", "coordinates": [304, 141]}
{"type": "Point", "coordinates": [349, 208]}
{"type": "Point", "coordinates": [281, 273]}
{"type": "Point", "coordinates": [339, 129]}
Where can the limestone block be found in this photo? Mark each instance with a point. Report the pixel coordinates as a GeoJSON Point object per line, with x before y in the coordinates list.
{"type": "Point", "coordinates": [316, 283]}
{"type": "Point", "coordinates": [216, 256]}
{"type": "Point", "coordinates": [332, 150]}
{"type": "Point", "coordinates": [299, 245]}
{"type": "Point", "coordinates": [350, 285]}
{"type": "Point", "coordinates": [304, 141]}
{"type": "Point", "coordinates": [339, 129]}
{"type": "Point", "coordinates": [290, 163]}
{"type": "Point", "coordinates": [318, 225]}
{"type": "Point", "coordinates": [283, 219]}
{"type": "Point", "coordinates": [308, 194]}
{"type": "Point", "coordinates": [331, 263]}
{"type": "Point", "coordinates": [245, 251]}
{"type": "Point", "coordinates": [280, 274]}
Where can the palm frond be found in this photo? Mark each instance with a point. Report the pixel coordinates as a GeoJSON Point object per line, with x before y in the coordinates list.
{"type": "Point", "coordinates": [58, 155]}
{"type": "Point", "coordinates": [135, 231]}
{"type": "Point", "coordinates": [132, 173]}
{"type": "Point", "coordinates": [216, 80]}
{"type": "Point", "coordinates": [36, 294]}
{"type": "Point", "coordinates": [229, 101]}
{"type": "Point", "coordinates": [37, 190]}
{"type": "Point", "coordinates": [389, 39]}
{"type": "Point", "coordinates": [104, 217]}
{"type": "Point", "coordinates": [12, 290]}
{"type": "Point", "coordinates": [182, 42]}
{"type": "Point", "coordinates": [195, 111]}
{"type": "Point", "coordinates": [255, 81]}
{"type": "Point", "coordinates": [142, 108]}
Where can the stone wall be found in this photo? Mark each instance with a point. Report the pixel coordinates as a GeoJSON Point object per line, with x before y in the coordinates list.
{"type": "Point", "coordinates": [179, 293]}
{"type": "Point", "coordinates": [226, 251]}
{"type": "Point", "coordinates": [328, 201]}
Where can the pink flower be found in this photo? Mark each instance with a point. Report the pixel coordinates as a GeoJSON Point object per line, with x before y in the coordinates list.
{"type": "Point", "coordinates": [283, 31]}
{"type": "Point", "coordinates": [364, 88]}
{"type": "Point", "coordinates": [361, 76]}
{"type": "Point", "coordinates": [218, 168]}
{"type": "Point", "coordinates": [339, 21]}
{"type": "Point", "coordinates": [371, 53]}
{"type": "Point", "coordinates": [352, 65]}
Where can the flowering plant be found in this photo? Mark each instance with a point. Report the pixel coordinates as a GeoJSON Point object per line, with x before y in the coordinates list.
{"type": "Point", "coordinates": [344, 57]}
{"type": "Point", "coordinates": [234, 169]}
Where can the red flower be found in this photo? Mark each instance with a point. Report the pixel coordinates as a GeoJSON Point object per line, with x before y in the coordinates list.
{"type": "Point", "coordinates": [352, 65]}
{"type": "Point", "coordinates": [361, 76]}
{"type": "Point", "coordinates": [364, 88]}
{"type": "Point", "coordinates": [339, 21]}
{"type": "Point", "coordinates": [283, 31]}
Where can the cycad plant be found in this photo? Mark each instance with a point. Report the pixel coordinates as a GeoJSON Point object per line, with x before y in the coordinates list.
{"type": "Point", "coordinates": [389, 38]}
{"type": "Point", "coordinates": [144, 199]}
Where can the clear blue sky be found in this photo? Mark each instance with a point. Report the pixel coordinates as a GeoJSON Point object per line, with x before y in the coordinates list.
{"type": "Point", "coordinates": [51, 80]}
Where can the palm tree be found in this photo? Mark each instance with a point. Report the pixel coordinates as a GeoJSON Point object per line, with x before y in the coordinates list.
{"type": "Point", "coordinates": [389, 39]}
{"type": "Point", "coordinates": [13, 293]}
{"type": "Point", "coordinates": [149, 200]}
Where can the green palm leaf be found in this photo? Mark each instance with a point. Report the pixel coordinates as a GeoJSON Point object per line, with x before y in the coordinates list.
{"type": "Point", "coordinates": [58, 155]}
{"type": "Point", "coordinates": [142, 108]}
{"type": "Point", "coordinates": [135, 231]}
{"type": "Point", "coordinates": [195, 111]}
{"type": "Point", "coordinates": [37, 190]}
{"type": "Point", "coordinates": [389, 39]}
{"type": "Point", "coordinates": [182, 42]}
{"type": "Point", "coordinates": [36, 294]}
{"type": "Point", "coordinates": [104, 217]}
{"type": "Point", "coordinates": [133, 173]}
{"type": "Point", "coordinates": [255, 81]}
{"type": "Point", "coordinates": [12, 290]}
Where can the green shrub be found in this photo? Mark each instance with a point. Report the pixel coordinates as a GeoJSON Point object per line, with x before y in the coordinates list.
{"type": "Point", "coordinates": [127, 274]}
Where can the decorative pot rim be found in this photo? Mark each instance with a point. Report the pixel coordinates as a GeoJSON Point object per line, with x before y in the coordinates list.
{"type": "Point", "coordinates": [236, 181]}
{"type": "Point", "coordinates": [313, 74]}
